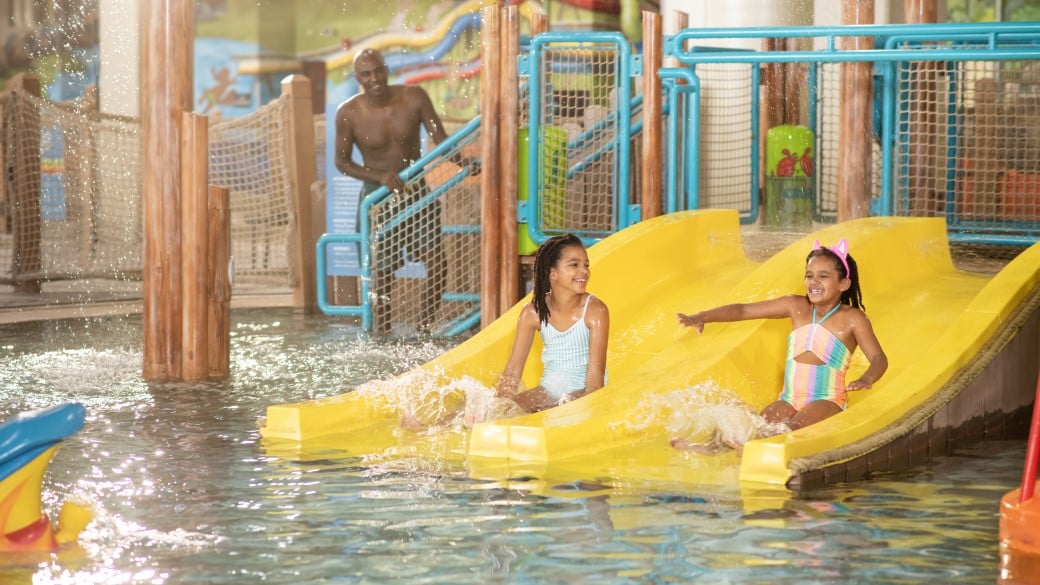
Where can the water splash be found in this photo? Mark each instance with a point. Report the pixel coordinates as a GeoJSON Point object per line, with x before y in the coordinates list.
{"type": "Point", "coordinates": [427, 399]}
{"type": "Point", "coordinates": [701, 414]}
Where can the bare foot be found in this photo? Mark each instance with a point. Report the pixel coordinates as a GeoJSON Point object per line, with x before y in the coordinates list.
{"type": "Point", "coordinates": [410, 423]}
{"type": "Point", "coordinates": [712, 447]}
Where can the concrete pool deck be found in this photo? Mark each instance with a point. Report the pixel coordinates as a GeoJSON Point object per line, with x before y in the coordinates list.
{"type": "Point", "coordinates": [99, 298]}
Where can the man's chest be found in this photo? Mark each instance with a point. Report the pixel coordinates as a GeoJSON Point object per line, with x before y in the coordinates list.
{"type": "Point", "coordinates": [386, 125]}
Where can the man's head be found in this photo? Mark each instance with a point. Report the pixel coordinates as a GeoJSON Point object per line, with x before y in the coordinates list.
{"type": "Point", "coordinates": [371, 72]}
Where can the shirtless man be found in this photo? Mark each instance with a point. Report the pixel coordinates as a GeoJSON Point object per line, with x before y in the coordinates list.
{"type": "Point", "coordinates": [384, 122]}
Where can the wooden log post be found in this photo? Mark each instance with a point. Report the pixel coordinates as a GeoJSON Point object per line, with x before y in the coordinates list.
{"type": "Point", "coordinates": [652, 151]}
{"type": "Point", "coordinates": [772, 113]}
{"type": "Point", "coordinates": [509, 121]}
{"type": "Point", "coordinates": [315, 71]}
{"type": "Point", "coordinates": [25, 192]}
{"type": "Point", "coordinates": [680, 21]}
{"type": "Point", "coordinates": [302, 159]}
{"type": "Point", "coordinates": [855, 113]}
{"type": "Point", "coordinates": [539, 23]}
{"type": "Point", "coordinates": [923, 123]}
{"type": "Point", "coordinates": [490, 214]}
{"type": "Point", "coordinates": [4, 197]}
{"type": "Point", "coordinates": [794, 82]}
{"type": "Point", "coordinates": [166, 93]}
{"type": "Point", "coordinates": [81, 180]}
{"type": "Point", "coordinates": [194, 246]}
{"type": "Point", "coordinates": [218, 270]}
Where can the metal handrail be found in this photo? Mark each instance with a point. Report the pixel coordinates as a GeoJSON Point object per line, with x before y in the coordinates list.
{"type": "Point", "coordinates": [363, 238]}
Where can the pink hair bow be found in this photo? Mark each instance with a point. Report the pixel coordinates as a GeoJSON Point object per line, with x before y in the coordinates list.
{"type": "Point", "coordinates": [841, 250]}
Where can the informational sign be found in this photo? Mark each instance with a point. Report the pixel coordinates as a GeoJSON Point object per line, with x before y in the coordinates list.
{"type": "Point", "coordinates": [342, 201]}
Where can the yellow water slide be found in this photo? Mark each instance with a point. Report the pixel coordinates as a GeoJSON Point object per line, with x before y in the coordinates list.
{"type": "Point", "coordinates": [932, 319]}
{"type": "Point", "coordinates": [632, 272]}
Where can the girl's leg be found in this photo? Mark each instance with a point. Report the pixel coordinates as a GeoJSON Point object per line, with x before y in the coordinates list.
{"type": "Point", "coordinates": [533, 400]}
{"type": "Point", "coordinates": [779, 412]}
{"type": "Point", "coordinates": [813, 412]}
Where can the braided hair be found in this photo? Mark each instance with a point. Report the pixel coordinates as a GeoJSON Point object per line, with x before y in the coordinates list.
{"type": "Point", "coordinates": [545, 259]}
{"type": "Point", "coordinates": [853, 296]}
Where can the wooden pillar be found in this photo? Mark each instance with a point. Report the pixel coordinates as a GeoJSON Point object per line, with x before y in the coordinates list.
{"type": "Point", "coordinates": [923, 127]}
{"type": "Point", "coordinates": [772, 113]}
{"type": "Point", "coordinates": [650, 196]}
{"type": "Point", "coordinates": [304, 172]}
{"type": "Point", "coordinates": [509, 121]}
{"type": "Point", "coordinates": [166, 93]}
{"type": "Point", "coordinates": [539, 23]}
{"type": "Point", "coordinates": [218, 345]}
{"type": "Point", "coordinates": [81, 179]}
{"type": "Point", "coordinates": [855, 113]}
{"type": "Point", "coordinates": [490, 213]}
{"type": "Point", "coordinates": [794, 82]}
{"type": "Point", "coordinates": [4, 217]}
{"type": "Point", "coordinates": [25, 191]}
{"type": "Point", "coordinates": [195, 245]}
{"type": "Point", "coordinates": [680, 21]}
{"type": "Point", "coordinates": [315, 71]}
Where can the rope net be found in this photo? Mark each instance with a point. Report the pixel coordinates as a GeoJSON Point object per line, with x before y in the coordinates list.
{"type": "Point", "coordinates": [249, 156]}
{"type": "Point", "coordinates": [73, 188]}
{"type": "Point", "coordinates": [425, 248]}
{"type": "Point", "coordinates": [725, 135]}
{"type": "Point", "coordinates": [577, 170]}
{"type": "Point", "coordinates": [71, 196]}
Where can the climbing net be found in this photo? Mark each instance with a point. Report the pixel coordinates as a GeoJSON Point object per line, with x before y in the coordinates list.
{"type": "Point", "coordinates": [71, 194]}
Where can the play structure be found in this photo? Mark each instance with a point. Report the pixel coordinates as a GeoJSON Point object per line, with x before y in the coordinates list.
{"type": "Point", "coordinates": [949, 335]}
{"type": "Point", "coordinates": [28, 441]}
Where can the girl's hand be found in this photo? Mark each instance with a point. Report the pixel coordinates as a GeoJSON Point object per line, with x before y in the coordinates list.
{"type": "Point", "coordinates": [860, 384]}
{"type": "Point", "coordinates": [695, 321]}
{"type": "Point", "coordinates": [507, 387]}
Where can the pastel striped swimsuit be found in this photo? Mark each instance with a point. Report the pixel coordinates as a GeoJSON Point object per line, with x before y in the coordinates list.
{"type": "Point", "coordinates": [805, 383]}
{"type": "Point", "coordinates": [565, 356]}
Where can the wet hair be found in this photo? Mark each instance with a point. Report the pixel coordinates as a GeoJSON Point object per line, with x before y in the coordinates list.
{"type": "Point", "coordinates": [853, 296]}
{"type": "Point", "coordinates": [545, 259]}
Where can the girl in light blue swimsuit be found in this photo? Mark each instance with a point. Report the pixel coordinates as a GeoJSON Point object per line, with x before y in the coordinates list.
{"type": "Point", "coordinates": [574, 326]}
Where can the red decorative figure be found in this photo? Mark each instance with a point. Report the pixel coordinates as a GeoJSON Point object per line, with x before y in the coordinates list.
{"type": "Point", "coordinates": [806, 162]}
{"type": "Point", "coordinates": [785, 168]}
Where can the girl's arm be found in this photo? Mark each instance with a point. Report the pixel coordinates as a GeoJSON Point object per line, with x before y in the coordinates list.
{"type": "Point", "coordinates": [772, 309]}
{"type": "Point", "coordinates": [597, 318]}
{"type": "Point", "coordinates": [871, 347]}
{"type": "Point", "coordinates": [526, 325]}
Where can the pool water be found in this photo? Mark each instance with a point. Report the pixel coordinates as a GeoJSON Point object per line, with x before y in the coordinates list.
{"type": "Point", "coordinates": [184, 491]}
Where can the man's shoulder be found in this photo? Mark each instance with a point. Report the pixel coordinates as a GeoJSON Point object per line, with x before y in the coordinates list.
{"type": "Point", "coordinates": [412, 92]}
{"type": "Point", "coordinates": [349, 105]}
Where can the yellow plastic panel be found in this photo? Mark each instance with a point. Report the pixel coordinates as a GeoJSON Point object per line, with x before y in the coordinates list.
{"type": "Point", "coordinates": [931, 318]}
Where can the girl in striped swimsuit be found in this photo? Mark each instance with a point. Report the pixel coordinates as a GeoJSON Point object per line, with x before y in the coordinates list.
{"type": "Point", "coordinates": [574, 326]}
{"type": "Point", "coordinates": [829, 323]}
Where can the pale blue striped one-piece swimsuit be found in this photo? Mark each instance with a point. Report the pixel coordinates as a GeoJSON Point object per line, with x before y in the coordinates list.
{"type": "Point", "coordinates": [565, 356]}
